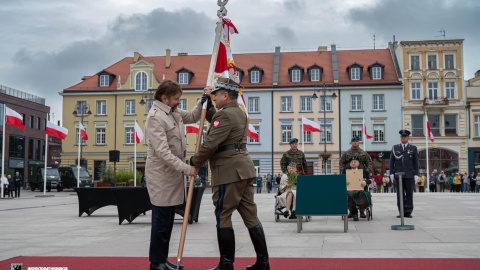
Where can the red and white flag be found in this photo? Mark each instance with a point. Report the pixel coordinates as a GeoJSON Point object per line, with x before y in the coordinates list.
{"type": "Point", "coordinates": [56, 131]}
{"type": "Point", "coordinates": [429, 130]}
{"type": "Point", "coordinates": [309, 125]}
{"type": "Point", "coordinates": [252, 132]}
{"type": "Point", "coordinates": [365, 131]}
{"type": "Point", "coordinates": [14, 118]}
{"type": "Point", "coordinates": [191, 128]}
{"type": "Point", "coordinates": [138, 133]}
{"type": "Point", "coordinates": [83, 132]}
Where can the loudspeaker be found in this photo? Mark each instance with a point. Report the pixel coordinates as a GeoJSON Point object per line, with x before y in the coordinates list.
{"type": "Point", "coordinates": [114, 155]}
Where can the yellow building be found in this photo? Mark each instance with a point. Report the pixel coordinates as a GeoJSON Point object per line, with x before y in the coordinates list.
{"type": "Point", "coordinates": [473, 110]}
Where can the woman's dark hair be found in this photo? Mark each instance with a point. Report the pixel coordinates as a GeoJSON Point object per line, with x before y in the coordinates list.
{"type": "Point", "coordinates": [168, 88]}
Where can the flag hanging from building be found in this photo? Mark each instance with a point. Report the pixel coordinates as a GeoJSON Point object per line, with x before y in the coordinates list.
{"type": "Point", "coordinates": [225, 66]}
{"type": "Point", "coordinates": [56, 131]}
{"type": "Point", "coordinates": [83, 132]}
{"type": "Point", "coordinates": [191, 128]}
{"type": "Point", "coordinates": [252, 132]}
{"type": "Point", "coordinates": [138, 133]}
{"type": "Point", "coordinates": [14, 118]}
{"type": "Point", "coordinates": [364, 131]}
{"type": "Point", "coordinates": [429, 129]}
{"type": "Point", "coordinates": [309, 125]}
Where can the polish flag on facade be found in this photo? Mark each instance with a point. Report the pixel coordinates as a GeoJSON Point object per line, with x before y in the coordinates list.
{"type": "Point", "coordinates": [309, 125]}
{"type": "Point", "coordinates": [138, 133]}
{"type": "Point", "coordinates": [252, 132]}
{"type": "Point", "coordinates": [83, 132]}
{"type": "Point", "coordinates": [14, 118]}
{"type": "Point", "coordinates": [364, 131]}
{"type": "Point", "coordinates": [429, 130]}
{"type": "Point", "coordinates": [56, 131]}
{"type": "Point", "coordinates": [191, 128]}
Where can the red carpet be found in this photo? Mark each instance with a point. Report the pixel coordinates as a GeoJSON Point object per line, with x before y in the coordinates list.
{"type": "Point", "coordinates": [134, 263]}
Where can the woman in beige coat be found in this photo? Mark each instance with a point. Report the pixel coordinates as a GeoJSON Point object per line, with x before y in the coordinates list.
{"type": "Point", "coordinates": [165, 169]}
{"type": "Point", "coordinates": [289, 193]}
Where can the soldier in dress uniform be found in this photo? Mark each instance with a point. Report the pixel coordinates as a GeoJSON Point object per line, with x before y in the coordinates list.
{"type": "Point", "coordinates": [233, 173]}
{"type": "Point", "coordinates": [296, 156]}
{"type": "Point", "coordinates": [404, 158]}
{"type": "Point", "coordinates": [363, 157]}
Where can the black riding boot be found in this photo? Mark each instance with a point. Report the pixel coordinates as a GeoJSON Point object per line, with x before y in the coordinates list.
{"type": "Point", "coordinates": [226, 244]}
{"type": "Point", "coordinates": [258, 239]}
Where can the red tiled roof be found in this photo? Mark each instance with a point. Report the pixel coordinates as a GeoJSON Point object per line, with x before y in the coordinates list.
{"type": "Point", "coordinates": [305, 60]}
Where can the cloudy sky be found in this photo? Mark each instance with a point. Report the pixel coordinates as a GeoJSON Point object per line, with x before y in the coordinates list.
{"type": "Point", "coordinates": [49, 45]}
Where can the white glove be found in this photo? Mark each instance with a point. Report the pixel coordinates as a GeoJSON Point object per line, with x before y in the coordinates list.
{"type": "Point", "coordinates": [416, 178]}
{"type": "Point", "coordinates": [392, 177]}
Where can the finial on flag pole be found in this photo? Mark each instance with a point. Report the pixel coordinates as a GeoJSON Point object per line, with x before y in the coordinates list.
{"type": "Point", "coordinates": [222, 12]}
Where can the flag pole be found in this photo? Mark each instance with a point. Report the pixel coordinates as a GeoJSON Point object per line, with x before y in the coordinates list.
{"type": "Point", "coordinates": [135, 157]}
{"type": "Point", "coordinates": [213, 61]}
{"type": "Point", "coordinates": [3, 146]}
{"type": "Point", "coordinates": [427, 180]}
{"type": "Point", "coordinates": [79, 146]}
{"type": "Point", "coordinates": [303, 137]}
{"type": "Point", "coordinates": [45, 163]}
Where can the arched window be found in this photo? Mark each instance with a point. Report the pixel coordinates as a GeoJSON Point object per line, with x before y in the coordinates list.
{"type": "Point", "coordinates": [439, 160]}
{"type": "Point", "coordinates": [141, 81]}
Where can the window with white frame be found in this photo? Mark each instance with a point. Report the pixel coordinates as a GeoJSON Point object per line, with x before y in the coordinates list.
{"type": "Point", "coordinates": [141, 81]}
{"type": "Point", "coordinates": [357, 130]}
{"type": "Point", "coordinates": [477, 125]}
{"type": "Point", "coordinates": [378, 133]}
{"type": "Point", "coordinates": [434, 120]}
{"type": "Point", "coordinates": [415, 62]}
{"type": "Point", "coordinates": [183, 78]}
{"type": "Point", "coordinates": [327, 166]}
{"type": "Point", "coordinates": [286, 104]}
{"type": "Point", "coordinates": [253, 104]}
{"type": "Point", "coordinates": [286, 133]}
{"type": "Point", "coordinates": [296, 75]}
{"type": "Point", "coordinates": [307, 137]}
{"type": "Point", "coordinates": [379, 102]}
{"type": "Point", "coordinates": [82, 108]}
{"type": "Point", "coordinates": [449, 62]}
{"type": "Point", "coordinates": [433, 90]}
{"type": "Point", "coordinates": [253, 141]}
{"type": "Point", "coordinates": [306, 104]}
{"type": "Point", "coordinates": [129, 139]}
{"type": "Point", "coordinates": [315, 74]}
{"type": "Point", "coordinates": [432, 61]}
{"type": "Point", "coordinates": [129, 107]}
{"type": "Point", "coordinates": [149, 105]}
{"type": "Point", "coordinates": [354, 73]}
{"type": "Point", "coordinates": [183, 104]}
{"type": "Point", "coordinates": [450, 90]}
{"type": "Point", "coordinates": [450, 124]}
{"type": "Point", "coordinates": [356, 103]}
{"type": "Point", "coordinates": [326, 135]}
{"type": "Point", "coordinates": [255, 76]}
{"type": "Point", "coordinates": [100, 135]}
{"type": "Point", "coordinates": [101, 107]}
{"type": "Point", "coordinates": [376, 73]}
{"type": "Point", "coordinates": [327, 104]}
{"type": "Point", "coordinates": [77, 130]}
{"type": "Point", "coordinates": [417, 124]}
{"type": "Point", "coordinates": [415, 90]}
{"type": "Point", "coordinates": [104, 80]}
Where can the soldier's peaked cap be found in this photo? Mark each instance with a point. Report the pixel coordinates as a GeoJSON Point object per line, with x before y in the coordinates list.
{"type": "Point", "coordinates": [404, 132]}
{"type": "Point", "coordinates": [226, 84]}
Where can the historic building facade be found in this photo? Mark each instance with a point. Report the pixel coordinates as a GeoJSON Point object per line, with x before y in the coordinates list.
{"type": "Point", "coordinates": [473, 123]}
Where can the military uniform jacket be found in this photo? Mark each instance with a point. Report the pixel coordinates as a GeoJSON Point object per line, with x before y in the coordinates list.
{"type": "Point", "coordinates": [404, 160]}
{"type": "Point", "coordinates": [227, 126]}
{"type": "Point", "coordinates": [298, 157]}
{"type": "Point", "coordinates": [166, 153]}
{"type": "Point", "coordinates": [365, 159]}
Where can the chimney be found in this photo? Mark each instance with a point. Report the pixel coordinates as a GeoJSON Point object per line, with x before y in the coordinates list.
{"type": "Point", "coordinates": [167, 58]}
{"type": "Point", "coordinates": [182, 54]}
{"type": "Point", "coordinates": [322, 48]}
{"type": "Point", "coordinates": [477, 74]}
{"type": "Point", "coordinates": [136, 56]}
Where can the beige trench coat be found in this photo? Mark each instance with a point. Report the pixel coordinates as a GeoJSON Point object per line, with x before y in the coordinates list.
{"type": "Point", "coordinates": [282, 198]}
{"type": "Point", "coordinates": [165, 166]}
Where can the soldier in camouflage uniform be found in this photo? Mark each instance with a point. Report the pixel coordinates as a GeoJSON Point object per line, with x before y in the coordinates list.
{"type": "Point", "coordinates": [364, 158]}
{"type": "Point", "coordinates": [296, 156]}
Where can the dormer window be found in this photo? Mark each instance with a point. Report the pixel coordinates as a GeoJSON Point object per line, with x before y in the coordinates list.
{"type": "Point", "coordinates": [296, 73]}
{"type": "Point", "coordinates": [376, 71]}
{"type": "Point", "coordinates": [255, 75]}
{"type": "Point", "coordinates": [184, 76]}
{"type": "Point", "coordinates": [104, 80]}
{"type": "Point", "coordinates": [355, 72]}
{"type": "Point", "coordinates": [240, 74]}
{"type": "Point", "coordinates": [315, 73]}
{"type": "Point", "coordinates": [141, 80]}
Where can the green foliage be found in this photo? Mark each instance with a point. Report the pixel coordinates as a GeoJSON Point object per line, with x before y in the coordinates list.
{"type": "Point", "coordinates": [292, 178]}
{"type": "Point", "coordinates": [127, 176]}
{"type": "Point", "coordinates": [107, 174]}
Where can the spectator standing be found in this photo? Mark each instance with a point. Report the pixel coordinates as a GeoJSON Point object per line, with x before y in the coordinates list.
{"type": "Point", "coordinates": [477, 180]}
{"type": "Point", "coordinates": [442, 179]}
{"type": "Point", "coordinates": [473, 183]}
{"type": "Point", "coordinates": [386, 183]}
{"type": "Point", "coordinates": [277, 182]}
{"type": "Point", "coordinates": [450, 182]}
{"type": "Point", "coordinates": [432, 183]}
{"type": "Point", "coordinates": [269, 183]}
{"type": "Point", "coordinates": [465, 182]}
{"type": "Point", "coordinates": [4, 182]}
{"type": "Point", "coordinates": [421, 183]}
{"type": "Point", "coordinates": [457, 182]}
{"type": "Point", "coordinates": [11, 185]}
{"type": "Point", "coordinates": [259, 183]}
{"type": "Point", "coordinates": [18, 179]}
{"type": "Point", "coordinates": [379, 181]}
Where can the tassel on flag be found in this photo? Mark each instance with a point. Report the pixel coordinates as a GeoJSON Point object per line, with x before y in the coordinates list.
{"type": "Point", "coordinates": [191, 128]}
{"type": "Point", "coordinates": [309, 125]}
{"type": "Point", "coordinates": [252, 132]}
{"type": "Point", "coordinates": [429, 130]}
{"type": "Point", "coordinates": [83, 132]}
{"type": "Point", "coordinates": [138, 133]}
{"type": "Point", "coordinates": [56, 131]}
{"type": "Point", "coordinates": [14, 118]}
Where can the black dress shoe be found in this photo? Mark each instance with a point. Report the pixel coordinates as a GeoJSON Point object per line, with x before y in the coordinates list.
{"type": "Point", "coordinates": [408, 215]}
{"type": "Point", "coordinates": [362, 215]}
{"type": "Point", "coordinates": [157, 266]}
{"type": "Point", "coordinates": [355, 218]}
{"type": "Point", "coordinates": [171, 265]}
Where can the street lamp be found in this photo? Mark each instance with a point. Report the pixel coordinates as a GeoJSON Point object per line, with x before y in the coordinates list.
{"type": "Point", "coordinates": [324, 89]}
{"type": "Point", "coordinates": [83, 110]}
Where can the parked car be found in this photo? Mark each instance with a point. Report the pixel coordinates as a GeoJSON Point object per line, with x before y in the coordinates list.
{"type": "Point", "coordinates": [69, 176]}
{"type": "Point", "coordinates": [37, 181]}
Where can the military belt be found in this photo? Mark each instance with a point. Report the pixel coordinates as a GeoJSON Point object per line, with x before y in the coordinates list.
{"type": "Point", "coordinates": [234, 146]}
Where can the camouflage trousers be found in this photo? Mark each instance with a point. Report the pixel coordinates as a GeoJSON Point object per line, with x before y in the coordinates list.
{"type": "Point", "coordinates": [359, 198]}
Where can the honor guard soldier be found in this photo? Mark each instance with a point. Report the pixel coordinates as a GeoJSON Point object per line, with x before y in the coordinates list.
{"type": "Point", "coordinates": [363, 157]}
{"type": "Point", "coordinates": [296, 156]}
{"type": "Point", "coordinates": [404, 158]}
{"type": "Point", "coordinates": [233, 173]}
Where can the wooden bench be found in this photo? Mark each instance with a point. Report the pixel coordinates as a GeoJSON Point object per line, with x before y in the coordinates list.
{"type": "Point", "coordinates": [321, 195]}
